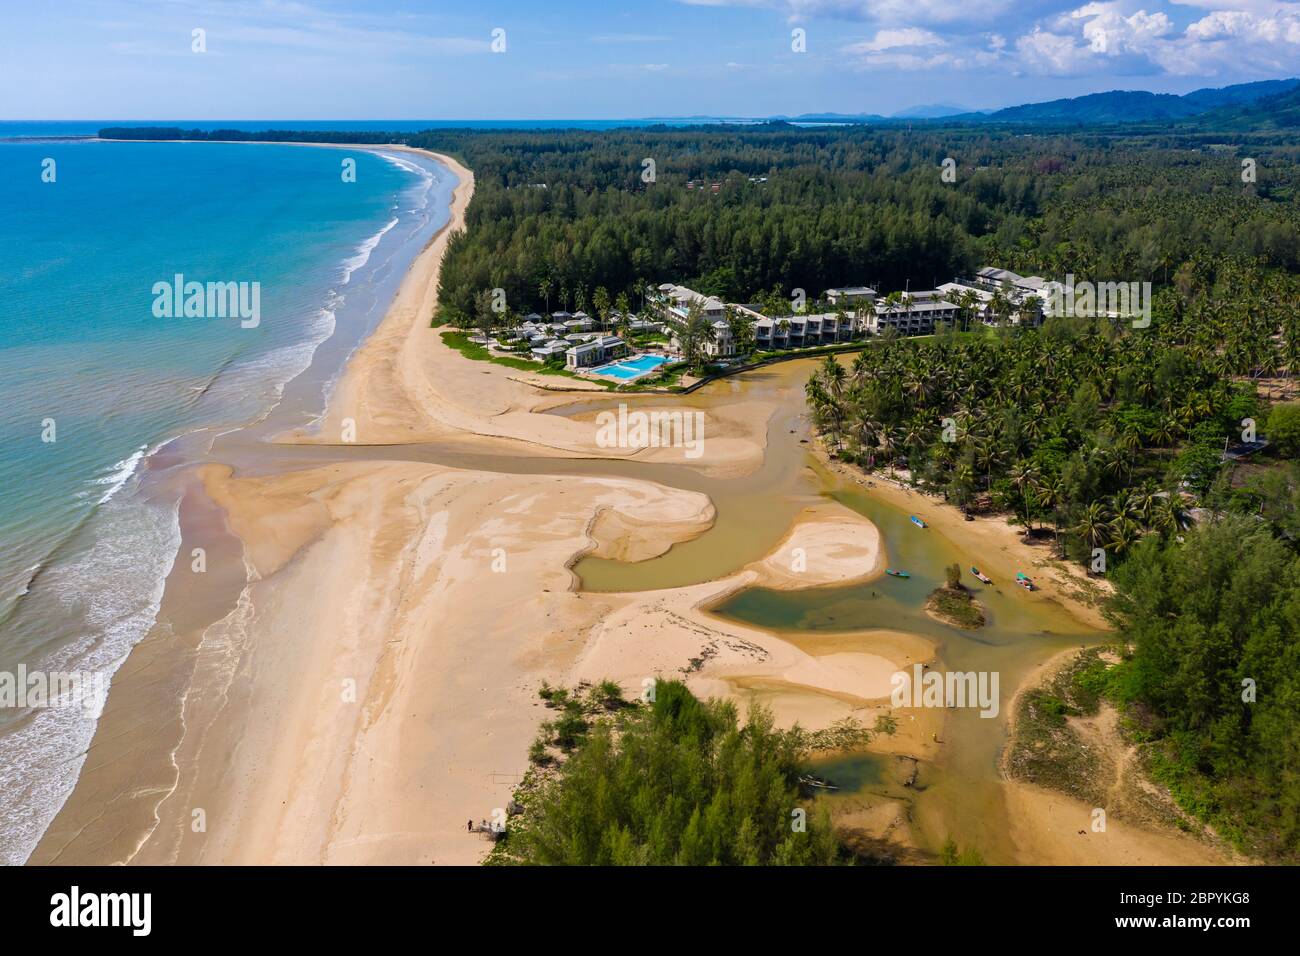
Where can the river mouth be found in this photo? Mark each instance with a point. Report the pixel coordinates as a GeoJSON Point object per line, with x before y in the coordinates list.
{"type": "Point", "coordinates": [958, 793]}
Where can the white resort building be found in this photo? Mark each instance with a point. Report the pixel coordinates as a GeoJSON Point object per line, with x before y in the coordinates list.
{"type": "Point", "coordinates": [596, 352]}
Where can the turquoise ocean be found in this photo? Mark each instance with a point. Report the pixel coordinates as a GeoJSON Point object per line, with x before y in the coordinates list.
{"type": "Point", "coordinates": [92, 382]}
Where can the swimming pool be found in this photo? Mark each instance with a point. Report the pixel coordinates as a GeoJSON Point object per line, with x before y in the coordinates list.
{"type": "Point", "coordinates": [632, 368]}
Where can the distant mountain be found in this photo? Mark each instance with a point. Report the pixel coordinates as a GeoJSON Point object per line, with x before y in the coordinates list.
{"type": "Point", "coordinates": [1117, 106]}
{"type": "Point", "coordinates": [1281, 111]}
{"type": "Point", "coordinates": [1241, 93]}
{"type": "Point", "coordinates": [1134, 106]}
{"type": "Point", "coordinates": [833, 118]}
{"type": "Point", "coordinates": [933, 111]}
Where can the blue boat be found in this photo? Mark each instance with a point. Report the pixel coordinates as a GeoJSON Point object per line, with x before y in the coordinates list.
{"type": "Point", "coordinates": [917, 521]}
{"type": "Point", "coordinates": [897, 574]}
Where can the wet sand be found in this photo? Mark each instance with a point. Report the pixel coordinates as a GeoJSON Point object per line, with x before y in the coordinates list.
{"type": "Point", "coordinates": [355, 675]}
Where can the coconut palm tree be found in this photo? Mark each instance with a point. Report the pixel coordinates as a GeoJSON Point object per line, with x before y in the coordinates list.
{"type": "Point", "coordinates": [1024, 478]}
{"type": "Point", "coordinates": [1093, 526]}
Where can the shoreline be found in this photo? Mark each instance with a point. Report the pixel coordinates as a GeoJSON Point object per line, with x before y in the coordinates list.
{"type": "Point", "coordinates": [139, 725]}
{"type": "Point", "coordinates": [358, 693]}
{"type": "Point", "coordinates": [318, 546]}
{"type": "Point", "coordinates": [1007, 550]}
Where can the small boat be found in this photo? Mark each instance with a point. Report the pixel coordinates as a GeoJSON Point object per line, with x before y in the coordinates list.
{"type": "Point", "coordinates": [814, 782]}
{"type": "Point", "coordinates": [1024, 581]}
{"type": "Point", "coordinates": [917, 521]}
{"type": "Point", "coordinates": [896, 573]}
{"type": "Point", "coordinates": [980, 574]}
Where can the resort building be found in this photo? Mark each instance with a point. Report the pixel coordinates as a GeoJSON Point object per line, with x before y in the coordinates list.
{"type": "Point", "coordinates": [1016, 289]}
{"type": "Point", "coordinates": [853, 295]}
{"type": "Point", "coordinates": [992, 278]}
{"type": "Point", "coordinates": [800, 331]}
{"type": "Point", "coordinates": [596, 352]}
{"type": "Point", "coordinates": [917, 317]}
{"type": "Point", "coordinates": [550, 349]}
{"type": "Point", "coordinates": [722, 345]}
{"type": "Point", "coordinates": [675, 302]}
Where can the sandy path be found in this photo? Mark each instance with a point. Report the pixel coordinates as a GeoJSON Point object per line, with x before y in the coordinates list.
{"type": "Point", "coordinates": [1053, 828]}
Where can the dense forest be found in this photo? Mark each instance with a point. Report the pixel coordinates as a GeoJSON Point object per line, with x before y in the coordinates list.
{"type": "Point", "coordinates": [1214, 677]}
{"type": "Point", "coordinates": [559, 214]}
{"type": "Point", "coordinates": [677, 781]}
{"type": "Point", "coordinates": [1099, 432]}
{"type": "Point", "coordinates": [1106, 438]}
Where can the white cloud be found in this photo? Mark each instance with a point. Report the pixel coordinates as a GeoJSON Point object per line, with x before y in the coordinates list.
{"type": "Point", "coordinates": [891, 12]}
{"type": "Point", "coordinates": [1044, 52]}
{"type": "Point", "coordinates": [1112, 35]}
{"type": "Point", "coordinates": [1235, 39]}
{"type": "Point", "coordinates": [1108, 30]}
{"type": "Point", "coordinates": [893, 39]}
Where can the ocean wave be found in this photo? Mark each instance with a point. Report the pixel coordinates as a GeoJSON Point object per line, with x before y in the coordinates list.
{"type": "Point", "coordinates": [427, 178]}
{"type": "Point", "coordinates": [354, 263]}
{"type": "Point", "coordinates": [115, 592]}
{"type": "Point", "coordinates": [120, 474]}
{"type": "Point", "coordinates": [109, 573]}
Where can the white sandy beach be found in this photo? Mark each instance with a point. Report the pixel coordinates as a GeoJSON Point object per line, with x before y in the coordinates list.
{"type": "Point", "coordinates": [375, 685]}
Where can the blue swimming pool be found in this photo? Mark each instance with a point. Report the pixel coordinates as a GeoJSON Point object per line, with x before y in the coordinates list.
{"type": "Point", "coordinates": [632, 368]}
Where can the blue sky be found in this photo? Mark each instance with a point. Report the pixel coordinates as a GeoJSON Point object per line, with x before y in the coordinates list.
{"type": "Point", "coordinates": [434, 59]}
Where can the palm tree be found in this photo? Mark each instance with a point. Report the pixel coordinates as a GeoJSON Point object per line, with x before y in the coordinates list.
{"type": "Point", "coordinates": [1124, 533]}
{"type": "Point", "coordinates": [1093, 525]}
{"type": "Point", "coordinates": [1024, 478]}
{"type": "Point", "coordinates": [1170, 517]}
{"type": "Point", "coordinates": [544, 289]}
{"type": "Point", "coordinates": [1050, 497]}
{"type": "Point", "coordinates": [600, 301]}
{"type": "Point", "coordinates": [696, 333]}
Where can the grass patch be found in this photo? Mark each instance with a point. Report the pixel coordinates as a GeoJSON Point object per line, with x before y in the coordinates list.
{"type": "Point", "coordinates": [459, 340]}
{"type": "Point", "coordinates": [957, 607]}
{"type": "Point", "coordinates": [1044, 749]}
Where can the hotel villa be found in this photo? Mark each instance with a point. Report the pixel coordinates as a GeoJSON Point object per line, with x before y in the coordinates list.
{"type": "Point", "coordinates": [990, 297]}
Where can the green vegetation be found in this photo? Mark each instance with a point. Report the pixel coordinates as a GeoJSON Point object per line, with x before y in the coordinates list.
{"type": "Point", "coordinates": [956, 606]}
{"type": "Point", "coordinates": [1284, 428]}
{"type": "Point", "coordinates": [1043, 749]}
{"type": "Point", "coordinates": [460, 341]}
{"type": "Point", "coordinates": [951, 855]}
{"type": "Point", "coordinates": [1214, 676]}
{"type": "Point", "coordinates": [676, 781]}
{"type": "Point", "coordinates": [1097, 433]}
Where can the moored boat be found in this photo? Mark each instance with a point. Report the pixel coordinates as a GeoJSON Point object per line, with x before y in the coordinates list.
{"type": "Point", "coordinates": [1025, 582]}
{"type": "Point", "coordinates": [917, 521]}
{"type": "Point", "coordinates": [980, 574]}
{"type": "Point", "coordinates": [896, 573]}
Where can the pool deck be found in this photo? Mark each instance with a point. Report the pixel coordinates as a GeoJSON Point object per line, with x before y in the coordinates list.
{"type": "Point", "coordinates": [623, 363]}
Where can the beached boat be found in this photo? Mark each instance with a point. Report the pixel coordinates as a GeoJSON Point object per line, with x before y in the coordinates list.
{"type": "Point", "coordinates": [814, 782]}
{"type": "Point", "coordinates": [1024, 581]}
{"type": "Point", "coordinates": [896, 573]}
{"type": "Point", "coordinates": [980, 574]}
{"type": "Point", "coordinates": [917, 521]}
